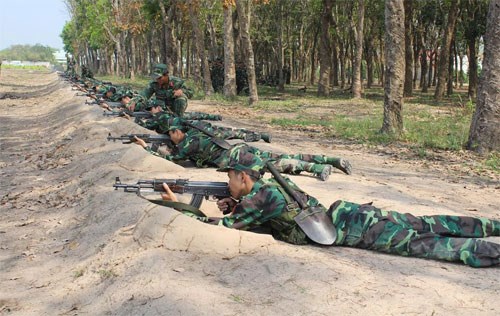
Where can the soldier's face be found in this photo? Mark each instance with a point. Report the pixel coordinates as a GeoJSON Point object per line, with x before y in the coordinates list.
{"type": "Point", "coordinates": [235, 183]}
{"type": "Point", "coordinates": [125, 100]}
{"type": "Point", "coordinates": [176, 136]}
{"type": "Point", "coordinates": [155, 109]}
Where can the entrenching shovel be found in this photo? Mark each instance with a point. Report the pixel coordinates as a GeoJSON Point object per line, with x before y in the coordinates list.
{"type": "Point", "coordinates": [311, 219]}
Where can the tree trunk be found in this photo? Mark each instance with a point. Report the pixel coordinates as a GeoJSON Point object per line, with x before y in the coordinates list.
{"type": "Point", "coordinates": [133, 56]}
{"type": "Point", "coordinates": [325, 49]}
{"type": "Point", "coordinates": [312, 78]}
{"type": "Point", "coordinates": [280, 49]}
{"type": "Point", "coordinates": [472, 73]}
{"type": "Point", "coordinates": [395, 67]}
{"type": "Point", "coordinates": [484, 133]}
{"type": "Point", "coordinates": [244, 13]}
{"type": "Point", "coordinates": [171, 56]}
{"type": "Point", "coordinates": [335, 63]}
{"type": "Point", "coordinates": [408, 87]}
{"type": "Point", "coordinates": [213, 39]}
{"type": "Point", "coordinates": [445, 51]}
{"type": "Point", "coordinates": [449, 87]}
{"type": "Point", "coordinates": [423, 71]}
{"type": "Point", "coordinates": [201, 60]}
{"type": "Point", "coordinates": [358, 52]}
{"type": "Point", "coordinates": [229, 67]}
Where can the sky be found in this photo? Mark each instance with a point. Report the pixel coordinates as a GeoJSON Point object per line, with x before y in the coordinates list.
{"type": "Point", "coordinates": [32, 22]}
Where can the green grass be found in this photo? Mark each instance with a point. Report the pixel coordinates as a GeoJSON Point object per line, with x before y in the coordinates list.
{"type": "Point", "coordinates": [42, 68]}
{"type": "Point", "coordinates": [493, 161]}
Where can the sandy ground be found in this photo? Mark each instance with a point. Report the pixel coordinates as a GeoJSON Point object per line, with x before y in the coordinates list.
{"type": "Point", "coordinates": [71, 245]}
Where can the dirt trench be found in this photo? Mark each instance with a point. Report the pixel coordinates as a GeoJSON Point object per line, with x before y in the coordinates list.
{"type": "Point", "coordinates": [71, 245]}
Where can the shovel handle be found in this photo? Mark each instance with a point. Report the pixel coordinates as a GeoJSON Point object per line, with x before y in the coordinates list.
{"type": "Point", "coordinates": [284, 184]}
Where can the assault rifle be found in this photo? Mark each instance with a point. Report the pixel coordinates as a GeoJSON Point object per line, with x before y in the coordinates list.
{"type": "Point", "coordinates": [148, 138]}
{"type": "Point", "coordinates": [198, 189]}
{"type": "Point", "coordinates": [111, 104]}
{"type": "Point", "coordinates": [139, 114]}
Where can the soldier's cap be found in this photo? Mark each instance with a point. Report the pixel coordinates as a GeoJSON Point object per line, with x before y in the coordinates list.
{"type": "Point", "coordinates": [175, 123]}
{"type": "Point", "coordinates": [159, 70]}
{"type": "Point", "coordinates": [243, 160]}
{"type": "Point", "coordinates": [156, 102]}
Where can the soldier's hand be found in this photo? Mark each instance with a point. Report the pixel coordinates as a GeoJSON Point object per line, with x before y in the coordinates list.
{"type": "Point", "coordinates": [226, 205]}
{"type": "Point", "coordinates": [169, 195]}
{"type": "Point", "coordinates": [125, 115]}
{"type": "Point", "coordinates": [104, 105]}
{"type": "Point", "coordinates": [131, 107]}
{"type": "Point", "coordinates": [140, 142]}
{"type": "Point", "coordinates": [177, 93]}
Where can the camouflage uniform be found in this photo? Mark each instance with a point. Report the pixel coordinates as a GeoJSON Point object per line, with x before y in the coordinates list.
{"type": "Point", "coordinates": [139, 102]}
{"type": "Point", "coordinates": [206, 151]}
{"type": "Point", "coordinates": [440, 237]}
{"type": "Point", "coordinates": [296, 163]}
{"type": "Point", "coordinates": [161, 122]}
{"type": "Point", "coordinates": [165, 94]}
{"type": "Point", "coordinates": [197, 147]}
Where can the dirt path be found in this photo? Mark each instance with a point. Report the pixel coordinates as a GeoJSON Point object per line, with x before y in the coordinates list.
{"type": "Point", "coordinates": [70, 245]}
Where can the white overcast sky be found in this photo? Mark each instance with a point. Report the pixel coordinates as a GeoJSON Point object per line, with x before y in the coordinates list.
{"type": "Point", "coordinates": [32, 22]}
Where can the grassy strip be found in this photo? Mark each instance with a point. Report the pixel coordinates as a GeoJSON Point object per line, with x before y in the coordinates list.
{"type": "Point", "coordinates": [41, 68]}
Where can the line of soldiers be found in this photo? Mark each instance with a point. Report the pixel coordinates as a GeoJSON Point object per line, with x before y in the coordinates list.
{"type": "Point", "coordinates": [279, 207]}
{"type": "Point", "coordinates": [192, 137]}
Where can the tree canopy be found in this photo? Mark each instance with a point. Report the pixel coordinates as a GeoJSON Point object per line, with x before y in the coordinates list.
{"type": "Point", "coordinates": [35, 52]}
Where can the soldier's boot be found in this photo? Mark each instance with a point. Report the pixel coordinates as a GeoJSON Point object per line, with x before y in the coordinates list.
{"type": "Point", "coordinates": [252, 137]}
{"type": "Point", "coordinates": [266, 137]}
{"type": "Point", "coordinates": [320, 171]}
{"type": "Point", "coordinates": [342, 164]}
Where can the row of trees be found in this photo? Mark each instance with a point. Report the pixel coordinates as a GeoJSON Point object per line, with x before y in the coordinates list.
{"type": "Point", "coordinates": [36, 52]}
{"type": "Point", "coordinates": [328, 43]}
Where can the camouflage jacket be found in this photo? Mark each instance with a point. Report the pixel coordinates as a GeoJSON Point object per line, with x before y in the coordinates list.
{"type": "Point", "coordinates": [139, 101]}
{"type": "Point", "coordinates": [160, 123]}
{"type": "Point", "coordinates": [167, 93]}
{"type": "Point", "coordinates": [197, 147]}
{"type": "Point", "coordinates": [269, 206]}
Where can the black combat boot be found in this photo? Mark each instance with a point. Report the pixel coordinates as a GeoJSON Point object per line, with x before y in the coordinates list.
{"type": "Point", "coordinates": [265, 137]}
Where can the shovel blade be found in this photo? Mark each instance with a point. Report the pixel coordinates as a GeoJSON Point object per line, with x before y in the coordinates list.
{"type": "Point", "coordinates": [317, 225]}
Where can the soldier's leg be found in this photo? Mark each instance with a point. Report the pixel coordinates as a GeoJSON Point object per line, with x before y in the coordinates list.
{"type": "Point", "coordinates": [339, 163]}
{"type": "Point", "coordinates": [201, 116]}
{"type": "Point", "coordinates": [447, 225]}
{"type": "Point", "coordinates": [179, 106]}
{"type": "Point", "coordinates": [389, 237]}
{"type": "Point", "coordinates": [294, 166]}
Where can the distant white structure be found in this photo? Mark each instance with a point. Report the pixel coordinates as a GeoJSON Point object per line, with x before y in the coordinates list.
{"type": "Point", "coordinates": [60, 56]}
{"type": "Point", "coordinates": [27, 63]}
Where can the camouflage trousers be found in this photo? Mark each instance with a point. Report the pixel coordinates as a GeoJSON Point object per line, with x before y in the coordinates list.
{"type": "Point", "coordinates": [321, 159]}
{"type": "Point", "coordinates": [226, 132]}
{"type": "Point", "coordinates": [281, 161]}
{"type": "Point", "coordinates": [177, 105]}
{"type": "Point", "coordinates": [440, 237]}
{"type": "Point", "coordinates": [201, 116]}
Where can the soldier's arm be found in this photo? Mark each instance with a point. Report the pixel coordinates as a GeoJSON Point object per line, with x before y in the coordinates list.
{"type": "Point", "coordinates": [148, 91]}
{"type": "Point", "coordinates": [255, 209]}
{"type": "Point", "coordinates": [187, 91]}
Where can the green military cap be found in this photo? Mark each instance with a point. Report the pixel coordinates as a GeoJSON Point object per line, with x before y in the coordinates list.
{"type": "Point", "coordinates": [175, 123]}
{"type": "Point", "coordinates": [159, 70]}
{"type": "Point", "coordinates": [243, 160]}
